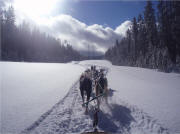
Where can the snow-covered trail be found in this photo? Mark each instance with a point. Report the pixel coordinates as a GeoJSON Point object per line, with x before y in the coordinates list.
{"type": "Point", "coordinates": [67, 116]}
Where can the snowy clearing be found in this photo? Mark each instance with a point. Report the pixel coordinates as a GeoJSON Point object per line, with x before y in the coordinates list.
{"type": "Point", "coordinates": [141, 101]}
{"type": "Point", "coordinates": [30, 89]}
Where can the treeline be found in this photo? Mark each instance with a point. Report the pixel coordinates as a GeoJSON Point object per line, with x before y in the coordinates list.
{"type": "Point", "coordinates": [153, 40]}
{"type": "Point", "coordinates": [24, 43]}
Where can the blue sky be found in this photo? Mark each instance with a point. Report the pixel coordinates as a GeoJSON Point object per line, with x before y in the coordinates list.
{"type": "Point", "coordinates": [105, 13]}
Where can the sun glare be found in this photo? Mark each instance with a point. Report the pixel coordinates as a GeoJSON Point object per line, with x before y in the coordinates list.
{"type": "Point", "coordinates": [35, 8]}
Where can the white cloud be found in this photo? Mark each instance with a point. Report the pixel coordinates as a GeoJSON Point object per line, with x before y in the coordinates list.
{"type": "Point", "coordinates": [78, 34]}
{"type": "Point", "coordinates": [123, 28]}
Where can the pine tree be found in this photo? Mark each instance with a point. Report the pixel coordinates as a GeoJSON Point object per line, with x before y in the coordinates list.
{"type": "Point", "coordinates": [142, 41]}
{"type": "Point", "coordinates": [129, 40]}
{"type": "Point", "coordinates": [151, 30]}
{"type": "Point", "coordinates": [8, 34]}
{"type": "Point", "coordinates": [168, 24]}
{"type": "Point", "coordinates": [176, 25]}
{"type": "Point", "coordinates": [150, 23]}
{"type": "Point", "coordinates": [135, 35]}
{"type": "Point", "coordinates": [1, 25]}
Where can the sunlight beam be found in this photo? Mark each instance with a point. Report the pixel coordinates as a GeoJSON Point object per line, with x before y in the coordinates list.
{"type": "Point", "coordinates": [36, 8]}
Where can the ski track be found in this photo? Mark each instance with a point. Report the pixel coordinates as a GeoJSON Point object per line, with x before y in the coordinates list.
{"type": "Point", "coordinates": [68, 116]}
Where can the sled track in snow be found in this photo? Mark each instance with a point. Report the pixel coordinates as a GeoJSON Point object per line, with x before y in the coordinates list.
{"type": "Point", "coordinates": [67, 116]}
{"type": "Point", "coordinates": [63, 117]}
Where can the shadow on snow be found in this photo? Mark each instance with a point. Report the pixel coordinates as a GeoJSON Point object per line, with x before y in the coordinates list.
{"type": "Point", "coordinates": [118, 119]}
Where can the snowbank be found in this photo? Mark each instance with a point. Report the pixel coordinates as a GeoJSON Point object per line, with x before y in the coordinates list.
{"type": "Point", "coordinates": [157, 93]}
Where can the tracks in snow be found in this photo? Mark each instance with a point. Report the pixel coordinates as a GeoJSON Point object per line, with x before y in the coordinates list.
{"type": "Point", "coordinates": [67, 116]}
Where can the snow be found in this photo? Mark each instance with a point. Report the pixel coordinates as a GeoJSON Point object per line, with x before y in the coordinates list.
{"type": "Point", "coordinates": [45, 98]}
{"type": "Point", "coordinates": [156, 93]}
{"type": "Point", "coordinates": [30, 89]}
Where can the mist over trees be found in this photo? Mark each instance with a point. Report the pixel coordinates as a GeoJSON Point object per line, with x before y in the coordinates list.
{"type": "Point", "coordinates": [151, 42]}
{"type": "Point", "coordinates": [24, 43]}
